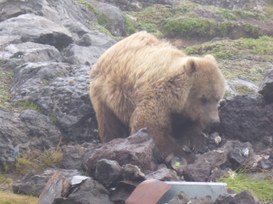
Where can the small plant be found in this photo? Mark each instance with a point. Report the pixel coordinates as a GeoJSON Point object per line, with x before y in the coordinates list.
{"type": "Point", "coordinates": [261, 188]}
{"type": "Point", "coordinates": [36, 160]}
{"type": "Point", "coordinates": [5, 85]}
{"type": "Point", "coordinates": [26, 104]}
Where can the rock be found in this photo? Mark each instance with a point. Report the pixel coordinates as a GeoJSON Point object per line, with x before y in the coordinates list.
{"type": "Point", "coordinates": [13, 135]}
{"type": "Point", "coordinates": [247, 119]}
{"type": "Point", "coordinates": [132, 173]}
{"type": "Point", "coordinates": [212, 165]}
{"type": "Point", "coordinates": [239, 154]}
{"type": "Point", "coordinates": [64, 98]}
{"type": "Point", "coordinates": [15, 8]}
{"type": "Point", "coordinates": [89, 192]}
{"type": "Point", "coordinates": [107, 172]}
{"type": "Point", "coordinates": [163, 174]}
{"type": "Point", "coordinates": [43, 30]}
{"type": "Point", "coordinates": [241, 86]}
{"type": "Point", "coordinates": [266, 87]}
{"type": "Point", "coordinates": [75, 155]}
{"type": "Point", "coordinates": [122, 191]}
{"type": "Point", "coordinates": [76, 54]}
{"type": "Point", "coordinates": [42, 133]}
{"type": "Point", "coordinates": [18, 54]}
{"type": "Point", "coordinates": [240, 198]}
{"type": "Point", "coordinates": [197, 172]}
{"type": "Point", "coordinates": [112, 19]}
{"type": "Point", "coordinates": [55, 187]}
{"type": "Point", "coordinates": [183, 198]}
{"type": "Point", "coordinates": [136, 149]}
{"type": "Point", "coordinates": [33, 184]}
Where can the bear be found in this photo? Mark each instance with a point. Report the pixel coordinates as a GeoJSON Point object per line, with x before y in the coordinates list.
{"type": "Point", "coordinates": [145, 82]}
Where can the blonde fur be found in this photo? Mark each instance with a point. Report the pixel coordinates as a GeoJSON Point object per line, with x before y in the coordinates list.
{"type": "Point", "coordinates": [140, 81]}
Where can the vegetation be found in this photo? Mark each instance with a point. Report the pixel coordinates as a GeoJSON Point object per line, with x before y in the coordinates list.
{"type": "Point", "coordinates": [260, 188]}
{"type": "Point", "coordinates": [5, 85]}
{"type": "Point", "coordinates": [188, 19]}
{"type": "Point", "coordinates": [37, 160]}
{"type": "Point", "coordinates": [206, 28]}
{"type": "Point", "coordinates": [11, 198]}
{"type": "Point", "coordinates": [245, 57]}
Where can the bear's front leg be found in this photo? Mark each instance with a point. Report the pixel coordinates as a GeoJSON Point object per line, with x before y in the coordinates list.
{"type": "Point", "coordinates": [158, 125]}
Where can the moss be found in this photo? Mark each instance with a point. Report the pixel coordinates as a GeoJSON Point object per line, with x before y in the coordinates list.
{"type": "Point", "coordinates": [5, 85]}
{"type": "Point", "coordinates": [88, 5]}
{"type": "Point", "coordinates": [11, 198]}
{"type": "Point", "coordinates": [130, 25]}
{"type": "Point", "coordinates": [26, 104]}
{"type": "Point", "coordinates": [205, 28]}
{"type": "Point", "coordinates": [261, 188]}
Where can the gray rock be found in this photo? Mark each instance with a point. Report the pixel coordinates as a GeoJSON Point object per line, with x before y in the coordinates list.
{"type": "Point", "coordinates": [42, 133]}
{"type": "Point", "coordinates": [33, 184]}
{"type": "Point", "coordinates": [112, 19]}
{"type": "Point", "coordinates": [42, 30]}
{"type": "Point", "coordinates": [183, 198]}
{"type": "Point", "coordinates": [240, 198]}
{"type": "Point", "coordinates": [76, 54]}
{"type": "Point", "coordinates": [75, 155]}
{"type": "Point", "coordinates": [132, 173]}
{"type": "Point", "coordinates": [247, 119]}
{"type": "Point", "coordinates": [266, 88]}
{"type": "Point", "coordinates": [13, 8]}
{"type": "Point", "coordinates": [107, 172]}
{"type": "Point", "coordinates": [18, 54]}
{"type": "Point", "coordinates": [212, 165]}
{"type": "Point", "coordinates": [13, 134]}
{"type": "Point", "coordinates": [89, 192]}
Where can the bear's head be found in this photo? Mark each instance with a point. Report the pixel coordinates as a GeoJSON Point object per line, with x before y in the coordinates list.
{"type": "Point", "coordinates": [208, 88]}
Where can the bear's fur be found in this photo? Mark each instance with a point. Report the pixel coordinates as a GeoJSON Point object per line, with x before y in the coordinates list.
{"type": "Point", "coordinates": [143, 82]}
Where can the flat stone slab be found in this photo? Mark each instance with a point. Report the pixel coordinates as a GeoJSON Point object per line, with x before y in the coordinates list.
{"type": "Point", "coordinates": [195, 189]}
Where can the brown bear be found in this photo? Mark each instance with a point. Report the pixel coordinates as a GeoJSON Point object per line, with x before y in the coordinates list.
{"type": "Point", "coordinates": [144, 82]}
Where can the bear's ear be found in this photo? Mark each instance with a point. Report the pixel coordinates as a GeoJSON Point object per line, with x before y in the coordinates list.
{"type": "Point", "coordinates": [191, 66]}
{"type": "Point", "coordinates": [210, 57]}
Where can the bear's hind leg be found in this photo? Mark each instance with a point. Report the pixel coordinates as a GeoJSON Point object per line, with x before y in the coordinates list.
{"type": "Point", "coordinates": [109, 126]}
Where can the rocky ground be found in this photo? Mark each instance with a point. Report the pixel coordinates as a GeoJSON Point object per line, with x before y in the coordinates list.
{"type": "Point", "coordinates": [47, 124]}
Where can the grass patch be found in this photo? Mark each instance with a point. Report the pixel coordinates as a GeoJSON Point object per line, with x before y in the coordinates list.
{"type": "Point", "coordinates": [11, 198]}
{"type": "Point", "coordinates": [26, 104]}
{"type": "Point", "coordinates": [260, 188]}
{"type": "Point", "coordinates": [206, 28]}
{"type": "Point", "coordinates": [5, 182]}
{"type": "Point", "coordinates": [244, 58]}
{"type": "Point", "coordinates": [36, 160]}
{"type": "Point", "coordinates": [5, 85]}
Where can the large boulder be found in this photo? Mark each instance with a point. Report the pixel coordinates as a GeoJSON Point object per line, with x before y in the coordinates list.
{"type": "Point", "coordinates": [42, 30]}
{"type": "Point", "coordinates": [248, 119]}
{"type": "Point", "coordinates": [136, 149]}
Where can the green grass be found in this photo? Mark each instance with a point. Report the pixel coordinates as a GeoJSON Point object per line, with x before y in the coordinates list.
{"type": "Point", "coordinates": [5, 85]}
{"type": "Point", "coordinates": [206, 28]}
{"type": "Point", "coordinates": [262, 189]}
{"type": "Point", "coordinates": [11, 198]}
